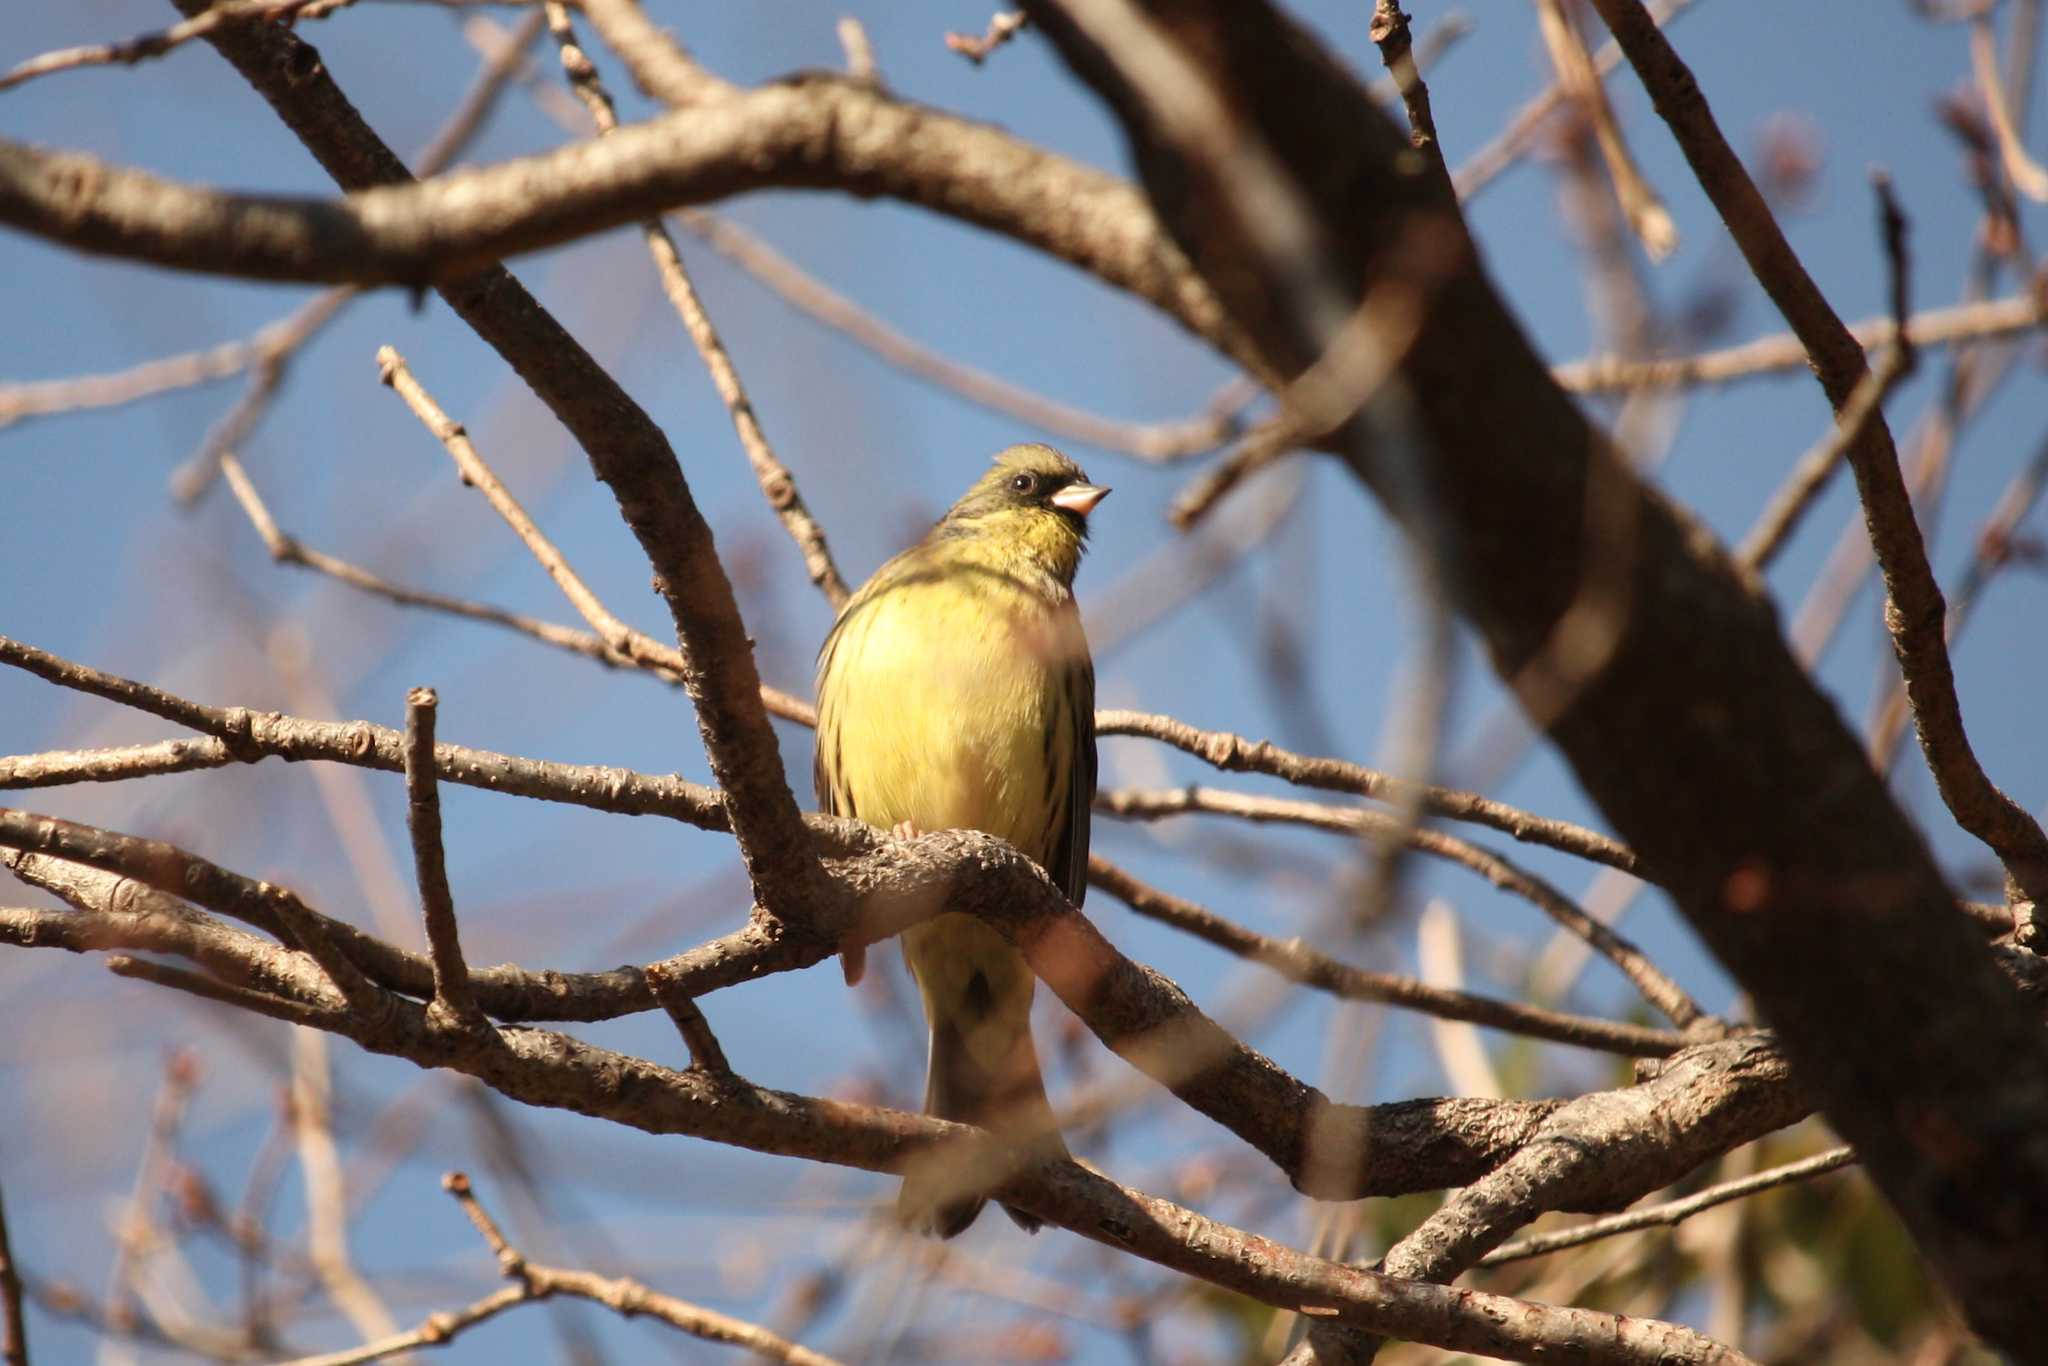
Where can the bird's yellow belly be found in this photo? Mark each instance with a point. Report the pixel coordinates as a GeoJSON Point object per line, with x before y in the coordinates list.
{"type": "Point", "coordinates": [951, 719]}
{"type": "Point", "coordinates": [951, 729]}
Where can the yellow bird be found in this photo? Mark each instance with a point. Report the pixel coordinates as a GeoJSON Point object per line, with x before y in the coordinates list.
{"type": "Point", "coordinates": [955, 692]}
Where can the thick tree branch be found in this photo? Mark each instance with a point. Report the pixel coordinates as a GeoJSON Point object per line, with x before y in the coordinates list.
{"type": "Point", "coordinates": [820, 132]}
{"type": "Point", "coordinates": [1331, 1150]}
{"type": "Point", "coordinates": [1914, 609]}
{"type": "Point", "coordinates": [1696, 731]}
{"type": "Point", "coordinates": [627, 452]}
{"type": "Point", "coordinates": [547, 1069]}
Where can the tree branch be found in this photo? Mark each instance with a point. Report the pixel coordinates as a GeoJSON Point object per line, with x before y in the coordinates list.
{"type": "Point", "coordinates": [1698, 734]}
{"type": "Point", "coordinates": [1299, 963]}
{"type": "Point", "coordinates": [1914, 611]}
{"type": "Point", "coordinates": [627, 452]}
{"type": "Point", "coordinates": [542, 1068]}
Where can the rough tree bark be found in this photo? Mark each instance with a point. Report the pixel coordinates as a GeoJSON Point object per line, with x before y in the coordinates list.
{"type": "Point", "coordinates": [1696, 731]}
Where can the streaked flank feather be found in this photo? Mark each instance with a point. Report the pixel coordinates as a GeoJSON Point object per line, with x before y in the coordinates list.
{"type": "Point", "coordinates": [956, 692]}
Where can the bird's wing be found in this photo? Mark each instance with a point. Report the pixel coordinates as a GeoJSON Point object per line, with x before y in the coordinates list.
{"type": "Point", "coordinates": [1069, 866]}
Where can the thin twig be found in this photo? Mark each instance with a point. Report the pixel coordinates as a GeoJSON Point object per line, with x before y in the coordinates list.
{"type": "Point", "coordinates": [623, 1295]}
{"type": "Point", "coordinates": [859, 50]}
{"type": "Point", "coordinates": [2028, 176]}
{"type": "Point", "coordinates": [394, 373]}
{"type": "Point", "coordinates": [1814, 470]}
{"type": "Point", "coordinates": [1997, 545]}
{"type": "Point", "coordinates": [306, 927]}
{"type": "Point", "coordinates": [239, 735]}
{"type": "Point", "coordinates": [1235, 754]}
{"type": "Point", "coordinates": [1655, 986]}
{"type": "Point", "coordinates": [1220, 419]}
{"type": "Point", "coordinates": [706, 1054]}
{"type": "Point", "coordinates": [1784, 353]}
{"type": "Point", "coordinates": [1485, 165]}
{"type": "Point", "coordinates": [658, 63]}
{"type": "Point", "coordinates": [133, 1231]}
{"type": "Point", "coordinates": [1580, 80]}
{"type": "Point", "coordinates": [501, 67]}
{"type": "Point", "coordinates": [1298, 962]}
{"type": "Point", "coordinates": [326, 1191]}
{"type": "Point", "coordinates": [1389, 33]}
{"type": "Point", "coordinates": [1673, 1212]}
{"type": "Point", "coordinates": [195, 475]}
{"type": "Point", "coordinates": [622, 640]}
{"type": "Point", "coordinates": [1002, 27]}
{"type": "Point", "coordinates": [155, 44]}
{"type": "Point", "coordinates": [1915, 611]}
{"type": "Point", "coordinates": [1255, 450]}
{"type": "Point", "coordinates": [13, 1326]}
{"type": "Point", "coordinates": [269, 348]}
{"type": "Point", "coordinates": [777, 483]}
{"type": "Point", "coordinates": [43, 398]}
{"type": "Point", "coordinates": [453, 1004]}
{"type": "Point", "coordinates": [285, 548]}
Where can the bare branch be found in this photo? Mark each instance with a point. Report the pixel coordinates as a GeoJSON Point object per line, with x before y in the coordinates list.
{"type": "Point", "coordinates": [1672, 1212]}
{"type": "Point", "coordinates": [1003, 25]}
{"type": "Point", "coordinates": [1483, 166]}
{"type": "Point", "coordinates": [1915, 612]}
{"type": "Point", "coordinates": [623, 1295]}
{"type": "Point", "coordinates": [453, 1002]}
{"type": "Point", "coordinates": [1997, 544]}
{"type": "Point", "coordinates": [767, 822]}
{"type": "Point", "coordinates": [1235, 754]}
{"type": "Point", "coordinates": [13, 1327]}
{"type": "Point", "coordinates": [2028, 176]}
{"type": "Point", "coordinates": [777, 483]}
{"type": "Point", "coordinates": [1264, 445]}
{"type": "Point", "coordinates": [1814, 470]}
{"type": "Point", "coordinates": [543, 1068]}
{"type": "Point", "coordinates": [450, 227]}
{"type": "Point", "coordinates": [1811, 475]}
{"type": "Point", "coordinates": [1656, 987]}
{"type": "Point", "coordinates": [439, 1328]}
{"type": "Point", "coordinates": [1389, 33]}
{"type": "Point", "coordinates": [1576, 76]}
{"type": "Point", "coordinates": [660, 66]}
{"type": "Point", "coordinates": [288, 549]}
{"type": "Point", "coordinates": [706, 1054]}
{"type": "Point", "coordinates": [1136, 1012]}
{"type": "Point", "coordinates": [1784, 352]}
{"type": "Point", "coordinates": [156, 44]}
{"type": "Point", "coordinates": [1202, 432]}
{"type": "Point", "coordinates": [1298, 962]}
{"type": "Point", "coordinates": [627, 452]}
{"type": "Point", "coordinates": [859, 49]}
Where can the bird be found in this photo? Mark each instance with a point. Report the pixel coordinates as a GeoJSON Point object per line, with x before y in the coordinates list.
{"type": "Point", "coordinates": [955, 692]}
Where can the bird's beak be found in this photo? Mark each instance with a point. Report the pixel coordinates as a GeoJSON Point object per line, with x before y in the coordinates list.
{"type": "Point", "coordinates": [1080, 498]}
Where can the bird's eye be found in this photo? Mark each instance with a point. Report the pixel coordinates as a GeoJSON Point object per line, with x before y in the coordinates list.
{"type": "Point", "coordinates": [1023, 483]}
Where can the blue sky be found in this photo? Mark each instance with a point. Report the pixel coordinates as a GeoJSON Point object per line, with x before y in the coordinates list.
{"type": "Point", "coordinates": [97, 563]}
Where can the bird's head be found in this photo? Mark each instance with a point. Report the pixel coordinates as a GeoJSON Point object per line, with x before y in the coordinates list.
{"type": "Point", "coordinates": [1034, 503]}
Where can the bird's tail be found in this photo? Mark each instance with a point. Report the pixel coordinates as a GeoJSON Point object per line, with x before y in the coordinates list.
{"type": "Point", "coordinates": [983, 1070]}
